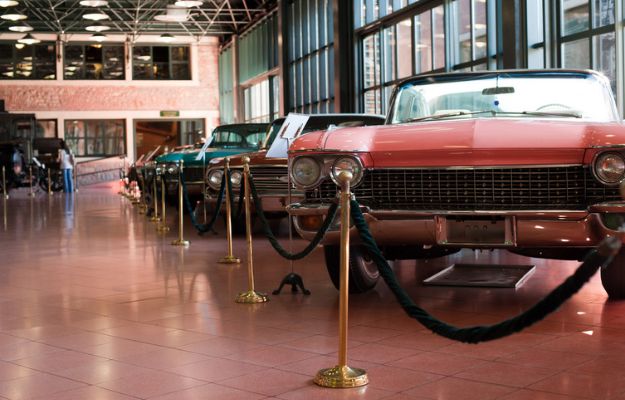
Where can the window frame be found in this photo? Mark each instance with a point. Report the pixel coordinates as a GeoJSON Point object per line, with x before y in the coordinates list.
{"type": "Point", "coordinates": [170, 62]}
{"type": "Point", "coordinates": [86, 138]}
{"type": "Point", "coordinates": [15, 61]}
{"type": "Point", "coordinates": [84, 46]}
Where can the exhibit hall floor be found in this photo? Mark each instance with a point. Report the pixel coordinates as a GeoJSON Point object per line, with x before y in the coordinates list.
{"type": "Point", "coordinates": [94, 304]}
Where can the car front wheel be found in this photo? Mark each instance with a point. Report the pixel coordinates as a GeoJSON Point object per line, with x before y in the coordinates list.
{"type": "Point", "coordinates": [363, 273]}
{"type": "Point", "coordinates": [613, 277]}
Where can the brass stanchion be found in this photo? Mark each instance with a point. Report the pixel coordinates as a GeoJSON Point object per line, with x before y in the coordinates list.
{"type": "Point", "coordinates": [342, 376]}
{"type": "Point", "coordinates": [49, 182]}
{"type": "Point", "coordinates": [5, 190]}
{"type": "Point", "coordinates": [155, 217]}
{"type": "Point", "coordinates": [162, 227]}
{"type": "Point", "coordinates": [180, 241]}
{"type": "Point", "coordinates": [75, 176]}
{"type": "Point", "coordinates": [230, 258]}
{"type": "Point", "coordinates": [251, 296]}
{"type": "Point", "coordinates": [143, 206]}
{"type": "Point", "coordinates": [30, 174]}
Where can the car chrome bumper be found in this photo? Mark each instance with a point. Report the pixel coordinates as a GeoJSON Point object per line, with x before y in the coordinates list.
{"type": "Point", "coordinates": [534, 229]}
{"type": "Point", "coordinates": [271, 203]}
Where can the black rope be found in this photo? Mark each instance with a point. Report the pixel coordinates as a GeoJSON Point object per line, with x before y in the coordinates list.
{"type": "Point", "coordinates": [203, 228]}
{"type": "Point", "coordinates": [272, 238]}
{"type": "Point", "coordinates": [593, 261]}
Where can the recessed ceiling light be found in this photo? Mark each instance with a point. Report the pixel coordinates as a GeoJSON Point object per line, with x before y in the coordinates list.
{"type": "Point", "coordinates": [94, 3]}
{"type": "Point", "coordinates": [97, 27]}
{"type": "Point", "coordinates": [13, 16]}
{"type": "Point", "coordinates": [8, 3]}
{"type": "Point", "coordinates": [167, 38]}
{"type": "Point", "coordinates": [99, 37]}
{"type": "Point", "coordinates": [188, 3]}
{"type": "Point", "coordinates": [99, 16]}
{"type": "Point", "coordinates": [28, 39]}
{"type": "Point", "coordinates": [21, 27]}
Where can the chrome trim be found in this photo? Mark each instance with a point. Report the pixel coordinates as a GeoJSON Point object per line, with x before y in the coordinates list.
{"type": "Point", "coordinates": [608, 146]}
{"type": "Point", "coordinates": [473, 167]}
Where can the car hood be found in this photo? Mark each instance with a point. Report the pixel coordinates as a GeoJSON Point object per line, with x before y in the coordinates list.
{"type": "Point", "coordinates": [257, 158]}
{"type": "Point", "coordinates": [470, 142]}
{"type": "Point", "coordinates": [189, 157]}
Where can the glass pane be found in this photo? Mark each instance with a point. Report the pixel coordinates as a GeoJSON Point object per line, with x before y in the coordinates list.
{"type": "Point", "coordinates": [463, 27]}
{"type": "Point", "coordinates": [439, 37]}
{"type": "Point", "coordinates": [46, 128]}
{"type": "Point", "coordinates": [45, 71]}
{"type": "Point", "coordinates": [404, 44]}
{"type": "Point", "coordinates": [179, 53]}
{"type": "Point", "coordinates": [423, 42]}
{"type": "Point", "coordinates": [6, 52]}
{"type": "Point", "coordinates": [141, 62]}
{"type": "Point", "coordinates": [604, 57]}
{"type": "Point", "coordinates": [160, 54]}
{"type": "Point", "coordinates": [390, 55]}
{"type": "Point", "coordinates": [479, 30]}
{"type": "Point", "coordinates": [574, 16]}
{"type": "Point", "coordinates": [160, 70]}
{"type": "Point", "coordinates": [372, 101]}
{"type": "Point", "coordinates": [575, 54]}
{"type": "Point", "coordinates": [371, 57]}
{"type": "Point", "coordinates": [113, 62]}
{"type": "Point", "coordinates": [45, 53]}
{"type": "Point", "coordinates": [74, 61]}
{"type": "Point", "coordinates": [180, 71]}
{"type": "Point", "coordinates": [603, 12]}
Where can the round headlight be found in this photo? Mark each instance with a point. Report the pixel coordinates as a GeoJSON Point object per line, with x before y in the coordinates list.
{"type": "Point", "coordinates": [172, 168]}
{"type": "Point", "coordinates": [348, 164]}
{"type": "Point", "coordinates": [236, 177]}
{"type": "Point", "coordinates": [610, 168]}
{"type": "Point", "coordinates": [305, 171]}
{"type": "Point", "coordinates": [214, 178]}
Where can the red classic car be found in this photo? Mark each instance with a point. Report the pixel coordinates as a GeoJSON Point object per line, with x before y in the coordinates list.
{"type": "Point", "coordinates": [528, 161]}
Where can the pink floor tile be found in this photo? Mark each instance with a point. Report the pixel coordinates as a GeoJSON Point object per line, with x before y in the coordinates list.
{"type": "Point", "coordinates": [86, 393]}
{"type": "Point", "coordinates": [506, 374]}
{"type": "Point", "coordinates": [269, 382]}
{"type": "Point", "coordinates": [454, 388]}
{"type": "Point", "coordinates": [439, 363]}
{"type": "Point", "coordinates": [36, 385]}
{"type": "Point", "coordinates": [150, 384]}
{"type": "Point", "coordinates": [216, 369]}
{"type": "Point", "coordinates": [210, 391]}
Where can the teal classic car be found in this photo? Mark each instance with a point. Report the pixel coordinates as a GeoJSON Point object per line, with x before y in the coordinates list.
{"type": "Point", "coordinates": [225, 140]}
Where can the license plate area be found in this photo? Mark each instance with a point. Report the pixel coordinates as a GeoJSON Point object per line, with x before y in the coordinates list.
{"type": "Point", "coordinates": [476, 231]}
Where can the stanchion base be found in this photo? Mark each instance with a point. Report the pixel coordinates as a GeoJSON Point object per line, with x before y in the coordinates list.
{"type": "Point", "coordinates": [229, 260]}
{"type": "Point", "coordinates": [162, 229]}
{"type": "Point", "coordinates": [295, 281]}
{"type": "Point", "coordinates": [156, 219]}
{"type": "Point", "coordinates": [31, 194]}
{"type": "Point", "coordinates": [341, 377]}
{"type": "Point", "coordinates": [179, 242]}
{"type": "Point", "coordinates": [251, 297]}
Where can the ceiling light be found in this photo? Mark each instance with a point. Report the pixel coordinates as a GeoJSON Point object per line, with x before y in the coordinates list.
{"type": "Point", "coordinates": [8, 3]}
{"type": "Point", "coordinates": [19, 46]}
{"type": "Point", "coordinates": [167, 38]}
{"type": "Point", "coordinates": [188, 3]}
{"type": "Point", "coordinates": [97, 27]}
{"type": "Point", "coordinates": [173, 14]}
{"type": "Point", "coordinates": [28, 39]}
{"type": "Point", "coordinates": [21, 27]}
{"type": "Point", "coordinates": [13, 16]}
{"type": "Point", "coordinates": [99, 16]}
{"type": "Point", "coordinates": [94, 3]}
{"type": "Point", "coordinates": [99, 37]}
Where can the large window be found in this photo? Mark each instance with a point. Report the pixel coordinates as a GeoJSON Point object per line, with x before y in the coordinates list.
{"type": "Point", "coordinates": [470, 41]}
{"type": "Point", "coordinates": [311, 56]}
{"type": "Point", "coordinates": [36, 61]}
{"type": "Point", "coordinates": [94, 61]}
{"type": "Point", "coordinates": [161, 62]}
{"type": "Point", "coordinates": [587, 36]}
{"type": "Point", "coordinates": [257, 108]}
{"type": "Point", "coordinates": [46, 128]}
{"type": "Point", "coordinates": [96, 137]}
{"type": "Point", "coordinates": [414, 45]}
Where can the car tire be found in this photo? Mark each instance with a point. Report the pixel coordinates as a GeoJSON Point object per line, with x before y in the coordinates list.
{"type": "Point", "coordinates": [613, 277]}
{"type": "Point", "coordinates": [363, 273]}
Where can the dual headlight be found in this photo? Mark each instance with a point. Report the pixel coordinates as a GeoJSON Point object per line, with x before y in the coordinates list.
{"type": "Point", "coordinates": [609, 168]}
{"type": "Point", "coordinates": [215, 176]}
{"type": "Point", "coordinates": [309, 171]}
{"type": "Point", "coordinates": [171, 168]}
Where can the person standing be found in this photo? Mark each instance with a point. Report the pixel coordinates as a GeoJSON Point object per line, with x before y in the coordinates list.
{"type": "Point", "coordinates": [66, 159]}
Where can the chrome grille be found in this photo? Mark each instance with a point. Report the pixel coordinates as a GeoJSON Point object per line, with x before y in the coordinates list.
{"type": "Point", "coordinates": [193, 174]}
{"type": "Point", "coordinates": [271, 179]}
{"type": "Point", "coordinates": [531, 188]}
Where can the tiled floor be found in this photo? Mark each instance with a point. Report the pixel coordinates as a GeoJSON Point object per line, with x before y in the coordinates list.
{"type": "Point", "coordinates": [95, 305]}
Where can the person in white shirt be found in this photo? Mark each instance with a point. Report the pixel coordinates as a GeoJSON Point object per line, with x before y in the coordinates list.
{"type": "Point", "coordinates": [66, 158]}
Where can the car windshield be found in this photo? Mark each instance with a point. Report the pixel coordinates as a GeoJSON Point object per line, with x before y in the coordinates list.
{"type": "Point", "coordinates": [248, 137]}
{"type": "Point", "coordinates": [574, 95]}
